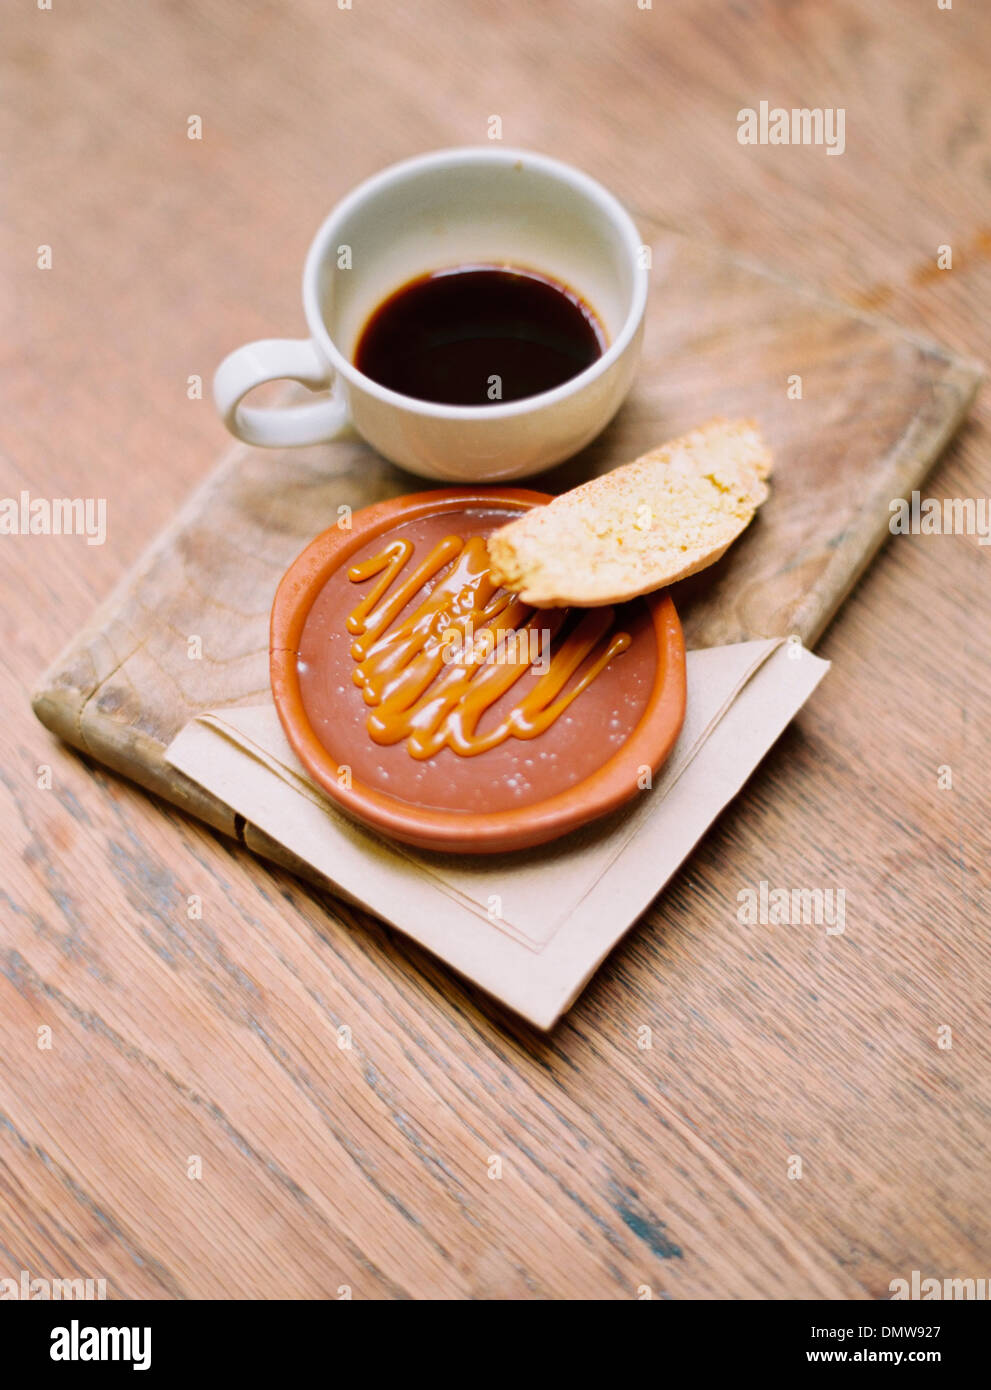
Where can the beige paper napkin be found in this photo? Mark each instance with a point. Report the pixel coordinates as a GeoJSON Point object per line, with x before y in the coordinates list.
{"type": "Point", "coordinates": [529, 927]}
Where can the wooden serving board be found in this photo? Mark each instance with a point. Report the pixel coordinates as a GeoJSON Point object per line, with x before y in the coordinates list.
{"type": "Point", "coordinates": [187, 629]}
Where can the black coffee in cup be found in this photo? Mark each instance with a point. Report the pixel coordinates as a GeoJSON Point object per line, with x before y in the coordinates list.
{"type": "Point", "coordinates": [479, 335]}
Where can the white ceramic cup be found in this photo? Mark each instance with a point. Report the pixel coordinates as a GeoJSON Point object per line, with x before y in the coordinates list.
{"type": "Point", "coordinates": [484, 205]}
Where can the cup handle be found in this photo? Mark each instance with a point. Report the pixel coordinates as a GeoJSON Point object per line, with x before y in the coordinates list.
{"type": "Point", "coordinates": [275, 359]}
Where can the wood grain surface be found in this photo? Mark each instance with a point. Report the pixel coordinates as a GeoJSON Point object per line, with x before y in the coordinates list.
{"type": "Point", "coordinates": [200, 1003]}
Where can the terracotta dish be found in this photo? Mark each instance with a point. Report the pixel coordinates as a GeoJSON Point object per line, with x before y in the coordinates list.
{"type": "Point", "coordinates": [437, 709]}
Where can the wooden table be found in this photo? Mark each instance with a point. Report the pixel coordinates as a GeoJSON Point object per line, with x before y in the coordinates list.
{"type": "Point", "coordinates": [176, 1037]}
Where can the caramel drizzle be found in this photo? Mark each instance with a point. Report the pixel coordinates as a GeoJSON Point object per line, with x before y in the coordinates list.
{"type": "Point", "coordinates": [414, 694]}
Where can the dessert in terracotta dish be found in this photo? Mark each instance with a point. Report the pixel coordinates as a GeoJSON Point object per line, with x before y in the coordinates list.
{"type": "Point", "coordinates": [482, 669]}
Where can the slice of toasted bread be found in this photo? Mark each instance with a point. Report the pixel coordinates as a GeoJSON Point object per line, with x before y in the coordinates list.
{"type": "Point", "coordinates": [670, 513]}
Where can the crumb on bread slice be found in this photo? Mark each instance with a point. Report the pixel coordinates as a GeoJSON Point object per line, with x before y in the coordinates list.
{"type": "Point", "coordinates": [640, 527]}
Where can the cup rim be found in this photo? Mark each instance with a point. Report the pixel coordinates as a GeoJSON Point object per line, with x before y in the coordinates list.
{"type": "Point", "coordinates": [449, 158]}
